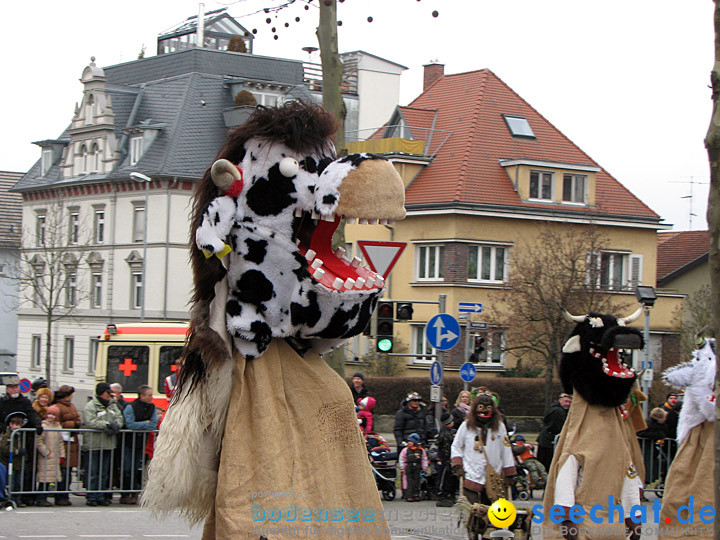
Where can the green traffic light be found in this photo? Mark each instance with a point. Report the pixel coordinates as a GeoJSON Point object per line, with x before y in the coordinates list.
{"type": "Point", "coordinates": [384, 345]}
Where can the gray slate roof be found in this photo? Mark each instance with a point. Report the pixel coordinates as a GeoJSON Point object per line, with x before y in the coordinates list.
{"type": "Point", "coordinates": [186, 92]}
{"type": "Point", "coordinates": [10, 210]}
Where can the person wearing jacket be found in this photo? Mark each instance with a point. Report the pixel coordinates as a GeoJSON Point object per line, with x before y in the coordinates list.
{"type": "Point", "coordinates": [553, 422]}
{"type": "Point", "coordinates": [69, 419]}
{"type": "Point", "coordinates": [410, 419]}
{"type": "Point", "coordinates": [102, 414]}
{"type": "Point", "coordinates": [50, 454]}
{"type": "Point", "coordinates": [43, 399]}
{"type": "Point", "coordinates": [138, 415]}
{"type": "Point", "coordinates": [365, 414]}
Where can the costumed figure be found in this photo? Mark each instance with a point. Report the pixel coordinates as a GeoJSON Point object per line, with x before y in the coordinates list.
{"type": "Point", "coordinates": [481, 453]}
{"type": "Point", "coordinates": [270, 296]}
{"type": "Point", "coordinates": [593, 461]}
{"type": "Point", "coordinates": [634, 421]}
{"type": "Point", "coordinates": [690, 474]}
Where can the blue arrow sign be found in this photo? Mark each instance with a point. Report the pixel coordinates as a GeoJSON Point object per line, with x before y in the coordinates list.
{"type": "Point", "coordinates": [468, 372]}
{"type": "Point", "coordinates": [436, 372]}
{"type": "Point", "coordinates": [469, 307]}
{"type": "Point", "coordinates": [443, 332]}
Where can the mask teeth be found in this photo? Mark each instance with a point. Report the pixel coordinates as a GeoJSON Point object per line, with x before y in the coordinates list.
{"type": "Point", "coordinates": [317, 263]}
{"type": "Point", "coordinates": [298, 212]}
{"type": "Point", "coordinates": [310, 255]}
{"type": "Point", "coordinates": [363, 221]}
{"type": "Point", "coordinates": [369, 282]}
{"type": "Point", "coordinates": [327, 217]}
{"type": "Point", "coordinates": [337, 284]}
{"type": "Point", "coordinates": [315, 215]}
{"type": "Point", "coordinates": [355, 262]}
{"type": "Point", "coordinates": [340, 252]}
{"type": "Point", "coordinates": [382, 221]}
{"type": "Point", "coordinates": [350, 220]}
{"type": "Point", "coordinates": [391, 222]}
{"type": "Point", "coordinates": [380, 281]}
{"type": "Point", "coordinates": [371, 221]}
{"type": "Point", "coordinates": [318, 274]}
{"type": "Point", "coordinates": [359, 283]}
{"type": "Point", "coordinates": [349, 283]}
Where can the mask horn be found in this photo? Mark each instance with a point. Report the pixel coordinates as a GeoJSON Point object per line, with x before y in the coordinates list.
{"type": "Point", "coordinates": [634, 317]}
{"type": "Point", "coordinates": [569, 317]}
{"type": "Point", "coordinates": [223, 174]}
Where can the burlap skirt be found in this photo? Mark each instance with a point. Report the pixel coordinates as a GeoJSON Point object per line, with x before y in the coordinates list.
{"type": "Point", "coordinates": [293, 462]}
{"type": "Point", "coordinates": [691, 473]}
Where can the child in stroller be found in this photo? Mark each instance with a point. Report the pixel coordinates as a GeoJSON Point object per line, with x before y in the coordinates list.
{"type": "Point", "coordinates": [531, 473]}
{"type": "Point", "coordinates": [383, 463]}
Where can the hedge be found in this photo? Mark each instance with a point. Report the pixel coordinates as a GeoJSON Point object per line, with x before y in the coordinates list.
{"type": "Point", "coordinates": [518, 397]}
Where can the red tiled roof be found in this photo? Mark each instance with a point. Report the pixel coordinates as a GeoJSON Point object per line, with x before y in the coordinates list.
{"type": "Point", "coordinates": [677, 250]}
{"type": "Point", "coordinates": [466, 169]}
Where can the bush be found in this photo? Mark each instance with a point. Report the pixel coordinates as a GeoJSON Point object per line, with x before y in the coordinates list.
{"type": "Point", "coordinates": [237, 44]}
{"type": "Point", "coordinates": [518, 396]}
{"type": "Point", "coordinates": [245, 98]}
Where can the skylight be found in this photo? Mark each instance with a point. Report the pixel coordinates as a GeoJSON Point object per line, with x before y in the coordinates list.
{"type": "Point", "coordinates": [518, 126]}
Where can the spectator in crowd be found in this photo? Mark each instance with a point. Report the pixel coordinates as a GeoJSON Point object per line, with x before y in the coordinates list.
{"type": "Point", "coordinates": [14, 421]}
{"type": "Point", "coordinates": [69, 419]}
{"type": "Point", "coordinates": [672, 407]}
{"type": "Point", "coordinates": [139, 415]}
{"type": "Point", "coordinates": [357, 387]}
{"type": "Point", "coordinates": [37, 384]}
{"type": "Point", "coordinates": [553, 422]}
{"type": "Point", "coordinates": [524, 456]}
{"type": "Point", "coordinates": [654, 434]}
{"type": "Point", "coordinates": [172, 380]}
{"type": "Point", "coordinates": [43, 399]}
{"type": "Point", "coordinates": [409, 419]}
{"type": "Point", "coordinates": [462, 406]}
{"type": "Point", "coordinates": [116, 390]}
{"type": "Point", "coordinates": [51, 454]}
{"type": "Point", "coordinates": [447, 482]}
{"type": "Point", "coordinates": [365, 415]}
{"type": "Point", "coordinates": [102, 414]}
{"type": "Point", "coordinates": [413, 460]}
{"type": "Point", "coordinates": [430, 424]}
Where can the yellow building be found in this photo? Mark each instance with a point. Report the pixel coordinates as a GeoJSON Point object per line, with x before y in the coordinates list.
{"type": "Point", "coordinates": [484, 174]}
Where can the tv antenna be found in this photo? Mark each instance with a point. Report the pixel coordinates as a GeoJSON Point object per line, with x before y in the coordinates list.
{"type": "Point", "coordinates": [689, 197]}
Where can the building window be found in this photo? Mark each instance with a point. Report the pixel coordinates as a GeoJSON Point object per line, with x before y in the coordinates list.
{"type": "Point", "coordinates": [137, 290]}
{"type": "Point", "coordinates": [92, 357]}
{"type": "Point", "coordinates": [430, 261]}
{"type": "Point", "coordinates": [615, 271]}
{"type": "Point", "coordinates": [518, 126]}
{"type": "Point", "coordinates": [99, 227]}
{"type": "Point", "coordinates": [492, 348]}
{"type": "Point", "coordinates": [136, 149]}
{"type": "Point", "coordinates": [40, 226]}
{"type": "Point", "coordinates": [488, 263]}
{"type": "Point", "coordinates": [138, 223]}
{"type": "Point", "coordinates": [541, 185]}
{"type": "Point", "coordinates": [35, 351]}
{"type": "Point", "coordinates": [84, 159]}
{"type": "Point", "coordinates": [268, 100]}
{"type": "Point", "coordinates": [96, 292]}
{"type": "Point", "coordinates": [46, 160]}
{"type": "Point", "coordinates": [89, 109]}
{"type": "Point", "coordinates": [574, 186]}
{"type": "Point", "coordinates": [421, 346]}
{"type": "Point", "coordinates": [71, 290]}
{"type": "Point", "coordinates": [74, 227]}
{"type": "Point", "coordinates": [69, 354]}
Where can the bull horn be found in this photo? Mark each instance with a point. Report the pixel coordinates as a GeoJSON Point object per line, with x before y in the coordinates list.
{"type": "Point", "coordinates": [569, 317]}
{"type": "Point", "coordinates": [634, 317]}
{"type": "Point", "coordinates": [223, 174]}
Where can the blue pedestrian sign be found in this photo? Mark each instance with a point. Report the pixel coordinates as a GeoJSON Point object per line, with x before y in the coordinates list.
{"type": "Point", "coordinates": [469, 307]}
{"type": "Point", "coordinates": [436, 372]}
{"type": "Point", "coordinates": [442, 332]}
{"type": "Point", "coordinates": [468, 372]}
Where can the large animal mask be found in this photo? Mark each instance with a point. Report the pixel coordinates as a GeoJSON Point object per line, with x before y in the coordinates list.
{"type": "Point", "coordinates": [594, 360]}
{"type": "Point", "coordinates": [282, 198]}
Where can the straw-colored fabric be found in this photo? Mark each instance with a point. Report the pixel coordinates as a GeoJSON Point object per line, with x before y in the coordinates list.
{"type": "Point", "coordinates": [293, 461]}
{"type": "Point", "coordinates": [691, 473]}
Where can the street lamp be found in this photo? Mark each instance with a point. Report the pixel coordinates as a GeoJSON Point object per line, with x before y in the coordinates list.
{"type": "Point", "coordinates": [646, 295]}
{"type": "Point", "coordinates": [140, 177]}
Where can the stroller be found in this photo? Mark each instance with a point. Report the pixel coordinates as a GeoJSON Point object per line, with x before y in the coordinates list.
{"type": "Point", "coordinates": [523, 487]}
{"type": "Point", "coordinates": [383, 463]}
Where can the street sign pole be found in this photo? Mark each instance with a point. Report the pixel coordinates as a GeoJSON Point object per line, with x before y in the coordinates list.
{"type": "Point", "coordinates": [441, 358]}
{"type": "Point", "coordinates": [466, 352]}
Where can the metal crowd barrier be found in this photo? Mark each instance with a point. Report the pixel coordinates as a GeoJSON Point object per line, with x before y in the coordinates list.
{"type": "Point", "coordinates": [120, 467]}
{"type": "Point", "coordinates": [657, 455]}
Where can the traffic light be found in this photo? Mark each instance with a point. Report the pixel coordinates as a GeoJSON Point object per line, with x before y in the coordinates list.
{"type": "Point", "coordinates": [385, 313]}
{"type": "Point", "coordinates": [479, 345]}
{"type": "Point", "coordinates": [404, 311]}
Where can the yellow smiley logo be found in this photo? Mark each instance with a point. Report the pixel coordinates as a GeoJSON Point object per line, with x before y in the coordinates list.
{"type": "Point", "coordinates": [502, 513]}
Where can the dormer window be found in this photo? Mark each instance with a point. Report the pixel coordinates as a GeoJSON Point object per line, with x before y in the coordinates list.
{"type": "Point", "coordinates": [136, 149]}
{"type": "Point", "coordinates": [541, 185]}
{"type": "Point", "coordinates": [518, 126]}
{"type": "Point", "coordinates": [574, 188]}
{"type": "Point", "coordinates": [46, 161]}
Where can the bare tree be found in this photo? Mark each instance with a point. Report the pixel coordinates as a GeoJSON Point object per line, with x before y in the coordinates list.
{"type": "Point", "coordinates": [694, 316]}
{"type": "Point", "coordinates": [332, 67]}
{"type": "Point", "coordinates": [712, 143]}
{"type": "Point", "coordinates": [48, 273]}
{"type": "Point", "coordinates": [560, 266]}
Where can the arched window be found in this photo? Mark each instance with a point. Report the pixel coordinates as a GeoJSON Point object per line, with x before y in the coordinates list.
{"type": "Point", "coordinates": [94, 158]}
{"type": "Point", "coordinates": [83, 159]}
{"type": "Point", "coordinates": [90, 109]}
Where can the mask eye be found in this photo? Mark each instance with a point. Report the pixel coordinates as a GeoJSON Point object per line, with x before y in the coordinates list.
{"type": "Point", "coordinates": [289, 167]}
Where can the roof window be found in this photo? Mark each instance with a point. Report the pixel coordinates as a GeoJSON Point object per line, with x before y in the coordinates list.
{"type": "Point", "coordinates": [518, 126]}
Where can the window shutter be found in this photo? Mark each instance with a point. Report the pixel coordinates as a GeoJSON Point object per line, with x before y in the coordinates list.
{"type": "Point", "coordinates": [592, 269]}
{"type": "Point", "coordinates": [635, 274]}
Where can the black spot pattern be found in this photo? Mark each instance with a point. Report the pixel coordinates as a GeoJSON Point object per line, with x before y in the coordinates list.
{"type": "Point", "coordinates": [338, 325]}
{"type": "Point", "coordinates": [253, 287]}
{"type": "Point", "coordinates": [257, 249]}
{"type": "Point", "coordinates": [324, 162]}
{"type": "Point", "coordinates": [329, 199]}
{"type": "Point", "coordinates": [269, 197]}
{"type": "Point", "coordinates": [307, 315]}
{"type": "Point", "coordinates": [309, 164]}
{"type": "Point", "coordinates": [233, 307]}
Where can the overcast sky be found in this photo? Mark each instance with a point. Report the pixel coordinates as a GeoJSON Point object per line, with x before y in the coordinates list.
{"type": "Point", "coordinates": [626, 80]}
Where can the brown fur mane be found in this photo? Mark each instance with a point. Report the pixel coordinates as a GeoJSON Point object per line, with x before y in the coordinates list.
{"type": "Point", "coordinates": [302, 127]}
{"type": "Point", "coordinates": [483, 399]}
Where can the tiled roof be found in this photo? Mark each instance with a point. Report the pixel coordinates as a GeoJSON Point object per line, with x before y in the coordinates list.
{"type": "Point", "coordinates": [10, 210]}
{"type": "Point", "coordinates": [467, 170]}
{"type": "Point", "coordinates": [679, 252]}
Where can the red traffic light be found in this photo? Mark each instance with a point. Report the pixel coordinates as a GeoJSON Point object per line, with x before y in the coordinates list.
{"type": "Point", "coordinates": [385, 310]}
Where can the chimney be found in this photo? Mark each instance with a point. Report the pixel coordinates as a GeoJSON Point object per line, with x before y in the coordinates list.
{"type": "Point", "coordinates": [433, 72]}
{"type": "Point", "coordinates": [201, 26]}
